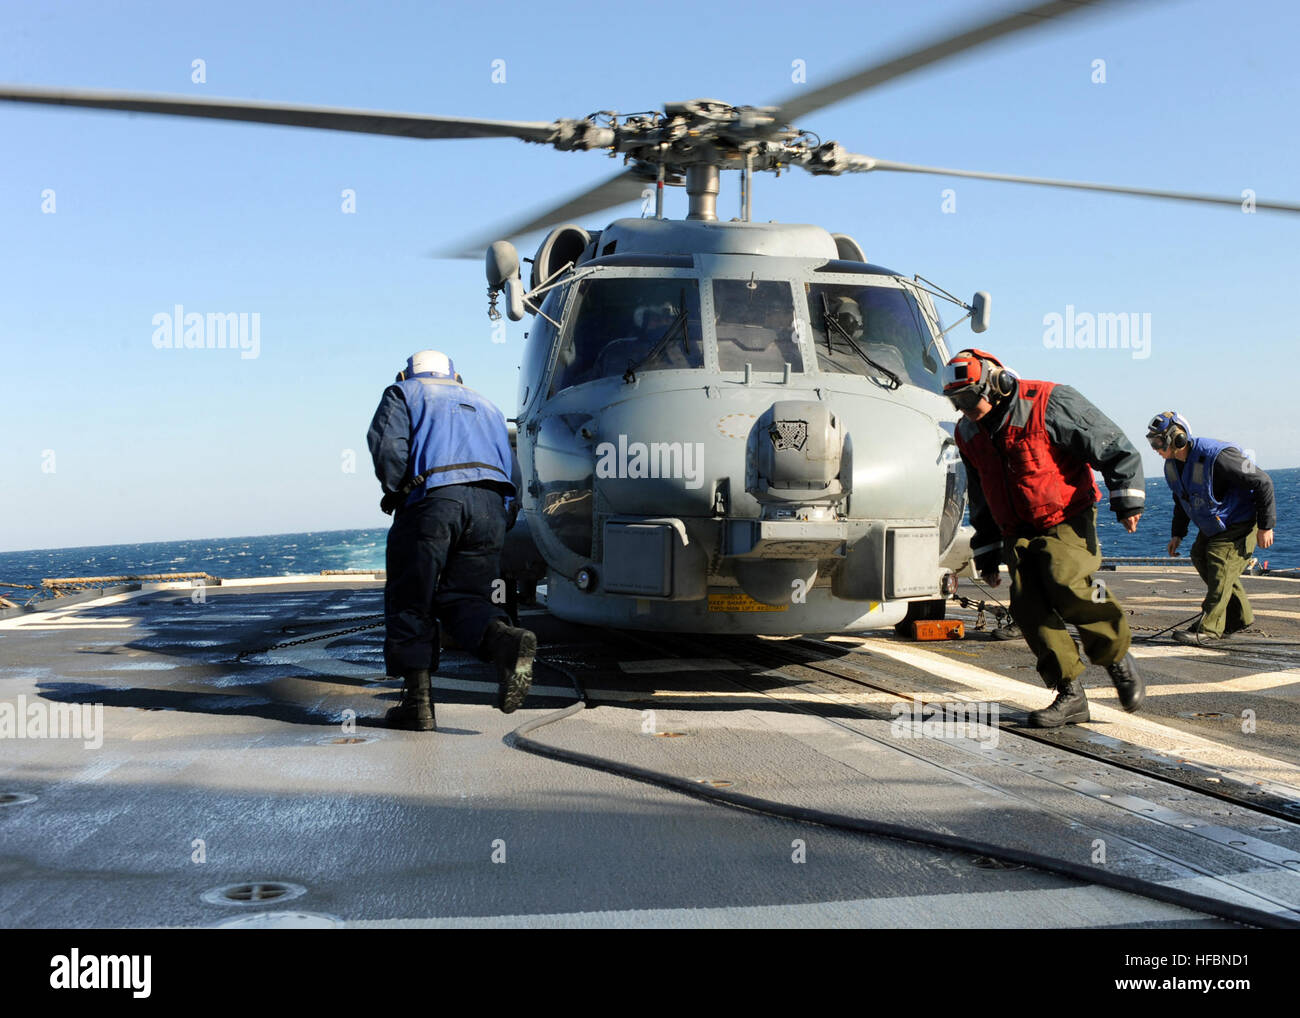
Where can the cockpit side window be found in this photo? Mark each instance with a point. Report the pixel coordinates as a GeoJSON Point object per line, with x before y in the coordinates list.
{"type": "Point", "coordinates": [623, 327]}
{"type": "Point", "coordinates": [537, 348]}
{"type": "Point", "coordinates": [754, 324]}
{"type": "Point", "coordinates": [860, 330]}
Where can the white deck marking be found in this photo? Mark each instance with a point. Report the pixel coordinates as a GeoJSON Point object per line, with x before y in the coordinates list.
{"type": "Point", "coordinates": [75, 625]}
{"type": "Point", "coordinates": [1062, 908]}
{"type": "Point", "coordinates": [46, 614]}
{"type": "Point", "coordinates": [992, 686]}
{"type": "Point", "coordinates": [1273, 685]}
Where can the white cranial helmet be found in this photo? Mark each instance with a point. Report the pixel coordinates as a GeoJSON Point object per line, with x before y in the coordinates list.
{"type": "Point", "coordinates": [430, 362]}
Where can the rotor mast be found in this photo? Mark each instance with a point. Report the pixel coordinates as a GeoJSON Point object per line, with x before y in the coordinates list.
{"type": "Point", "coordinates": [702, 191]}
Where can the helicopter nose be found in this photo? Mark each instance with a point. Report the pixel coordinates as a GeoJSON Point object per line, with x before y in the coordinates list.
{"type": "Point", "coordinates": [799, 474]}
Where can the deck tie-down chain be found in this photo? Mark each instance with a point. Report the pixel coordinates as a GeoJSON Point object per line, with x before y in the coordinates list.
{"type": "Point", "coordinates": [313, 639]}
{"type": "Point", "coordinates": [1001, 616]}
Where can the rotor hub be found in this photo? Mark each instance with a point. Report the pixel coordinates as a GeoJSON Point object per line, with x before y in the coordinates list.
{"type": "Point", "coordinates": [698, 132]}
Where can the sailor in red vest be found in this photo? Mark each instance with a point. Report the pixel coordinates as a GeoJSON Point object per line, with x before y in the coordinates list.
{"type": "Point", "coordinates": [1030, 448]}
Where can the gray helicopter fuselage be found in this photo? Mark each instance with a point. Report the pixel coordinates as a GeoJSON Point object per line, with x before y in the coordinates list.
{"type": "Point", "coordinates": [737, 463]}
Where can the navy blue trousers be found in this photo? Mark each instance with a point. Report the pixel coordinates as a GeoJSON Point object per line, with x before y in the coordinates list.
{"type": "Point", "coordinates": [443, 555]}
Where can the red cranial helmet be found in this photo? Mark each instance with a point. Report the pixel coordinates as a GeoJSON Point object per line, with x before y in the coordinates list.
{"type": "Point", "coordinates": [973, 375]}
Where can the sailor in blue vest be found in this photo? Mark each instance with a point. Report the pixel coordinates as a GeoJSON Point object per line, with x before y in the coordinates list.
{"type": "Point", "coordinates": [442, 453]}
{"type": "Point", "coordinates": [1219, 489]}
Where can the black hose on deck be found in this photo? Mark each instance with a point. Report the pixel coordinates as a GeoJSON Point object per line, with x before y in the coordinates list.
{"type": "Point", "coordinates": [518, 739]}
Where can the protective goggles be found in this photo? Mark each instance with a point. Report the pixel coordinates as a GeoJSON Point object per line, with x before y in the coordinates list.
{"type": "Point", "coordinates": [967, 398]}
{"type": "Point", "coordinates": [962, 382]}
{"type": "Point", "coordinates": [1158, 429]}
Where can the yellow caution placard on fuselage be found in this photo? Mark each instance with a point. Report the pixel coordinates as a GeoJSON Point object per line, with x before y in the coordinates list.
{"type": "Point", "coordinates": [739, 601]}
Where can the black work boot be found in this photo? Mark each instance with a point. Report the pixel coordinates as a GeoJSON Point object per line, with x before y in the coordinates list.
{"type": "Point", "coordinates": [1069, 708]}
{"type": "Point", "coordinates": [415, 712]}
{"type": "Point", "coordinates": [1008, 631]}
{"type": "Point", "coordinates": [511, 650]}
{"type": "Point", "coordinates": [1128, 683]}
{"type": "Point", "coordinates": [1193, 637]}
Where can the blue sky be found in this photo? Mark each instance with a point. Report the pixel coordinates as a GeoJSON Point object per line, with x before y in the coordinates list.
{"type": "Point", "coordinates": [108, 439]}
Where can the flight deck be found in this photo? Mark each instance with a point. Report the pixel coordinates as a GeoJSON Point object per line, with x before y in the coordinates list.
{"type": "Point", "coordinates": [232, 768]}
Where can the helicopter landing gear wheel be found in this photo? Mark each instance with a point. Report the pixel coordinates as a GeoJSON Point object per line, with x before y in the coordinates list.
{"type": "Point", "coordinates": [921, 611]}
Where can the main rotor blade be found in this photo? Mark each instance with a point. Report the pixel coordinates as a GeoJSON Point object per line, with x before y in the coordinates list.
{"type": "Point", "coordinates": [867, 164]}
{"type": "Point", "coordinates": [625, 187]}
{"type": "Point", "coordinates": [800, 104]}
{"type": "Point", "coordinates": [406, 125]}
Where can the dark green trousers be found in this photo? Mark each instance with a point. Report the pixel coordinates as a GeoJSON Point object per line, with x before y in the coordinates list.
{"type": "Point", "coordinates": [1052, 584]}
{"type": "Point", "coordinates": [1220, 561]}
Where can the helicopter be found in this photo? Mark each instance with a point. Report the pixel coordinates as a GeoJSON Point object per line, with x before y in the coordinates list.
{"type": "Point", "coordinates": [722, 426]}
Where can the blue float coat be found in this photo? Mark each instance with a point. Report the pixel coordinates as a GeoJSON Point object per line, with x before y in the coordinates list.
{"type": "Point", "coordinates": [430, 423]}
{"type": "Point", "coordinates": [1242, 492]}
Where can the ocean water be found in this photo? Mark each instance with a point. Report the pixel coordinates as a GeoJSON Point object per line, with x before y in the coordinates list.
{"type": "Point", "coordinates": [1153, 530]}
{"type": "Point", "coordinates": [230, 557]}
{"type": "Point", "coordinates": [310, 552]}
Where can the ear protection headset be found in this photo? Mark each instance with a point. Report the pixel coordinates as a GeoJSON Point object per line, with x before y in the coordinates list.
{"type": "Point", "coordinates": [1169, 430]}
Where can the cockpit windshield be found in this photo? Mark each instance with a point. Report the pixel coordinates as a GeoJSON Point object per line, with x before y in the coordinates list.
{"type": "Point", "coordinates": [755, 325]}
{"type": "Point", "coordinates": [622, 327]}
{"type": "Point", "coordinates": [879, 331]}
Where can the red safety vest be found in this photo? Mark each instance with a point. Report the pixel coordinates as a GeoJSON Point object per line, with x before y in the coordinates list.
{"type": "Point", "coordinates": [1028, 482]}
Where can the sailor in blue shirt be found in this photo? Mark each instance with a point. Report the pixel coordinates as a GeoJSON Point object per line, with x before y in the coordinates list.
{"type": "Point", "coordinates": [1231, 502]}
{"type": "Point", "coordinates": [442, 454]}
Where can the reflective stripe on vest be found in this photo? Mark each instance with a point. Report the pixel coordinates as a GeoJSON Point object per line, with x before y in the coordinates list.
{"type": "Point", "coordinates": [1192, 483]}
{"type": "Point", "coordinates": [1028, 482]}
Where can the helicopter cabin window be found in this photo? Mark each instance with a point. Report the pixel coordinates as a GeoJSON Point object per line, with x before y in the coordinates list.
{"type": "Point", "coordinates": [537, 348]}
{"type": "Point", "coordinates": [879, 331]}
{"type": "Point", "coordinates": [623, 327]}
{"type": "Point", "coordinates": [754, 324]}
